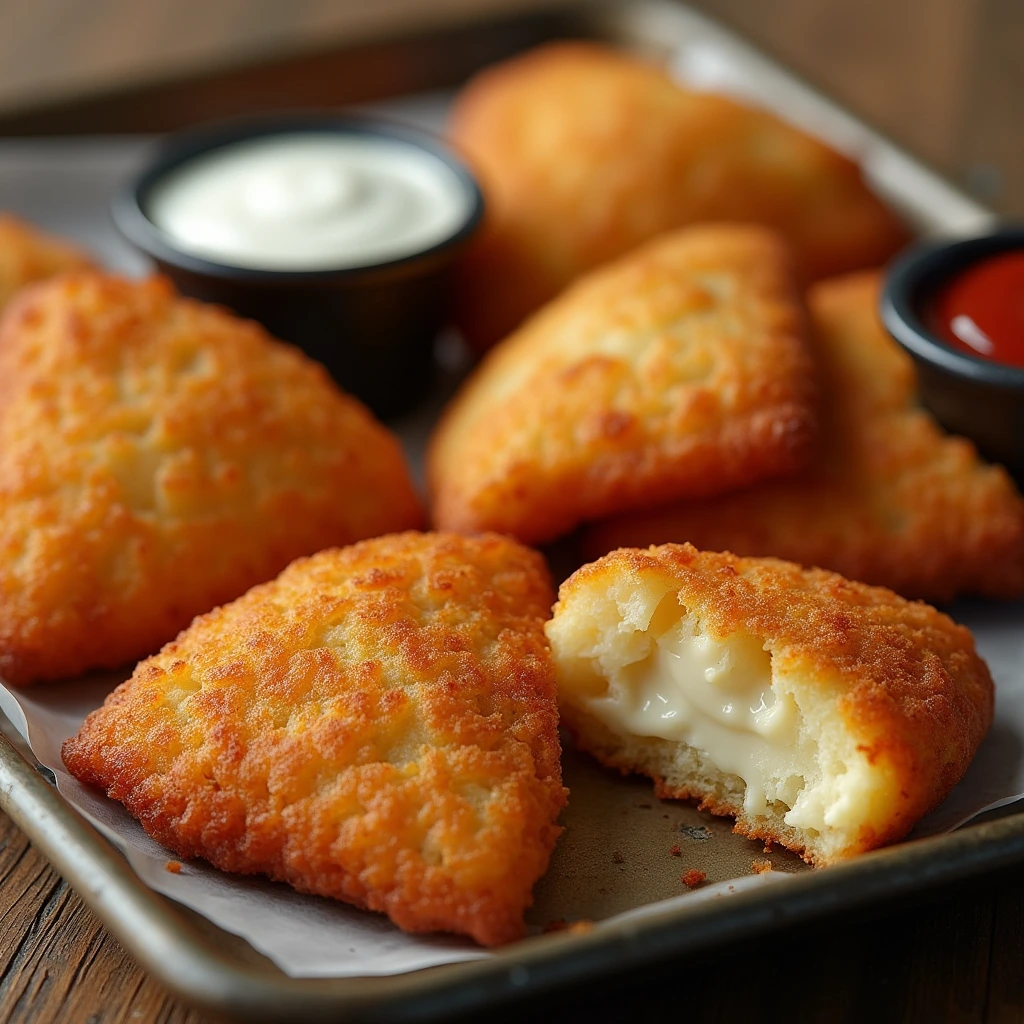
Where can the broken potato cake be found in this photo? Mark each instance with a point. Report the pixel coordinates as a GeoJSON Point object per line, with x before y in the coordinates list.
{"type": "Point", "coordinates": [681, 370]}
{"type": "Point", "coordinates": [378, 725]}
{"type": "Point", "coordinates": [824, 715]}
{"type": "Point", "coordinates": [159, 456]}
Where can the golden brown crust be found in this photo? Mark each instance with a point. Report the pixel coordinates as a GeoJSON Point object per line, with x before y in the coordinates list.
{"type": "Point", "coordinates": [28, 254]}
{"type": "Point", "coordinates": [585, 152]}
{"type": "Point", "coordinates": [906, 679]}
{"type": "Point", "coordinates": [377, 725]}
{"type": "Point", "coordinates": [890, 500]}
{"type": "Point", "coordinates": [681, 369]}
{"type": "Point", "coordinates": [158, 457]}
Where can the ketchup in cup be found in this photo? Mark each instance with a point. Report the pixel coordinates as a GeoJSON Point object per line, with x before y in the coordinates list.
{"type": "Point", "coordinates": [981, 309]}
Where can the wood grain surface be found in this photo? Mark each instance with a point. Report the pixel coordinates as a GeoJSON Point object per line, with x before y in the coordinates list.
{"type": "Point", "coordinates": [953, 957]}
{"type": "Point", "coordinates": [944, 77]}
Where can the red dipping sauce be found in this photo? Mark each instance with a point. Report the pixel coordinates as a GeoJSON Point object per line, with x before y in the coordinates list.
{"type": "Point", "coordinates": [981, 310]}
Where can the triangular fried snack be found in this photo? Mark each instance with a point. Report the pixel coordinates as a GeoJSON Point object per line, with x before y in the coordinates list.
{"type": "Point", "coordinates": [680, 371]}
{"type": "Point", "coordinates": [158, 457]}
{"type": "Point", "coordinates": [377, 725]}
{"type": "Point", "coordinates": [27, 255]}
{"type": "Point", "coordinates": [585, 152]}
{"type": "Point", "coordinates": [824, 715]}
{"type": "Point", "coordinates": [890, 498]}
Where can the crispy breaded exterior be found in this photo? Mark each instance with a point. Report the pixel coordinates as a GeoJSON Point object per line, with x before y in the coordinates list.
{"type": "Point", "coordinates": [887, 699]}
{"type": "Point", "coordinates": [585, 152]}
{"type": "Point", "coordinates": [679, 370]}
{"type": "Point", "coordinates": [27, 255]}
{"type": "Point", "coordinates": [890, 499]}
{"type": "Point", "coordinates": [377, 725]}
{"type": "Point", "coordinates": [158, 457]}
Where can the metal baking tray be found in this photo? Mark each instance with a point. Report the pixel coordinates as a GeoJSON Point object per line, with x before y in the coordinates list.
{"type": "Point", "coordinates": [614, 855]}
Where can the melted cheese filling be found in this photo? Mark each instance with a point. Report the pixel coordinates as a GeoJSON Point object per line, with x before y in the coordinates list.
{"type": "Point", "coordinates": [719, 696]}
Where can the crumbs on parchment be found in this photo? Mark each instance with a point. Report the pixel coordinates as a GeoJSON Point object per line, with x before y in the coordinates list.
{"type": "Point", "coordinates": [676, 851]}
{"type": "Point", "coordinates": [174, 866]}
{"type": "Point", "coordinates": [759, 867]}
{"type": "Point", "coordinates": [693, 878]}
{"type": "Point", "coordinates": [695, 832]}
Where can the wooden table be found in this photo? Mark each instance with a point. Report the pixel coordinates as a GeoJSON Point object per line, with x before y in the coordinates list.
{"type": "Point", "coordinates": [956, 957]}
{"type": "Point", "coordinates": [943, 76]}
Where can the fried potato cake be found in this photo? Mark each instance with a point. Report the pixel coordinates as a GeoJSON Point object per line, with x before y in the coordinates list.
{"type": "Point", "coordinates": [377, 725]}
{"type": "Point", "coordinates": [159, 456]}
{"type": "Point", "coordinates": [584, 152]}
{"type": "Point", "coordinates": [681, 369]}
{"type": "Point", "coordinates": [890, 499]}
{"type": "Point", "coordinates": [27, 255]}
{"type": "Point", "coordinates": [824, 715]}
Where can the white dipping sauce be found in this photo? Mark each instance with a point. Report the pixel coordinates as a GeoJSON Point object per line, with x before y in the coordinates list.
{"type": "Point", "coordinates": [310, 201]}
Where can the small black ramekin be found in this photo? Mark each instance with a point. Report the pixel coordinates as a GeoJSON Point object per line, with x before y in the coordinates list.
{"type": "Point", "coordinates": [373, 327]}
{"type": "Point", "coordinates": [969, 395]}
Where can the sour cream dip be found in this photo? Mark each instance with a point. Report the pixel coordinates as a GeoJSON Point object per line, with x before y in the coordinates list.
{"type": "Point", "coordinates": [309, 200]}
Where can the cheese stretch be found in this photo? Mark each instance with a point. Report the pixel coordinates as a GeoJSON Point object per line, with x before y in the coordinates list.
{"type": "Point", "coordinates": [720, 695]}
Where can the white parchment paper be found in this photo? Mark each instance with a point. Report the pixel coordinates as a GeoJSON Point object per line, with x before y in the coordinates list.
{"type": "Point", "coordinates": [307, 936]}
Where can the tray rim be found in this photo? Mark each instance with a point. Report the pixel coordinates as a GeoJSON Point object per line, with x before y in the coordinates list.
{"type": "Point", "coordinates": [187, 962]}
{"type": "Point", "coordinates": [171, 948]}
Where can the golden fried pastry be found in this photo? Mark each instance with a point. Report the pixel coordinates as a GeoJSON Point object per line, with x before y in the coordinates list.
{"type": "Point", "coordinates": [890, 500]}
{"type": "Point", "coordinates": [680, 370]}
{"type": "Point", "coordinates": [824, 715]}
{"type": "Point", "coordinates": [158, 457]}
{"type": "Point", "coordinates": [378, 725]}
{"type": "Point", "coordinates": [585, 152]}
{"type": "Point", "coordinates": [27, 255]}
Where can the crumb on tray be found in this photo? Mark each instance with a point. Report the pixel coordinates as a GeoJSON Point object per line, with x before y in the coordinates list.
{"type": "Point", "coordinates": [695, 832]}
{"type": "Point", "coordinates": [693, 878]}
{"type": "Point", "coordinates": [560, 924]}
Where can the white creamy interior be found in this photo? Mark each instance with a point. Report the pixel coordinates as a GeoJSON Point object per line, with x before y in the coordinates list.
{"type": "Point", "coordinates": [309, 201]}
{"type": "Point", "coordinates": [722, 697]}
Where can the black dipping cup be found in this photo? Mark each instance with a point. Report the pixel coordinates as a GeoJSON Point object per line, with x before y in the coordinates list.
{"type": "Point", "coordinates": [969, 395]}
{"type": "Point", "coordinates": [374, 326]}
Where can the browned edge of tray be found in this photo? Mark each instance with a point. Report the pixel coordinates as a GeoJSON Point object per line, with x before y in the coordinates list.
{"type": "Point", "coordinates": [160, 935]}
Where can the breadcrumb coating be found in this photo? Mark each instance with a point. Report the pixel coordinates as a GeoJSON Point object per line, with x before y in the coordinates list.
{"type": "Point", "coordinates": [28, 254]}
{"type": "Point", "coordinates": [883, 701]}
{"type": "Point", "coordinates": [890, 499]}
{"type": "Point", "coordinates": [159, 456]}
{"type": "Point", "coordinates": [377, 725]}
{"type": "Point", "coordinates": [584, 152]}
{"type": "Point", "coordinates": [682, 369]}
